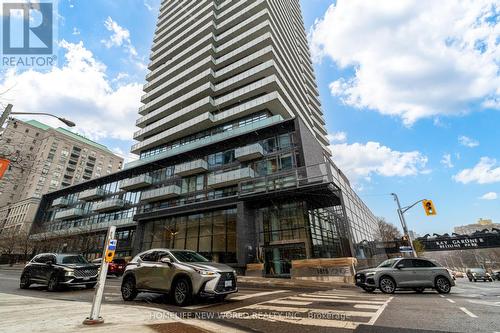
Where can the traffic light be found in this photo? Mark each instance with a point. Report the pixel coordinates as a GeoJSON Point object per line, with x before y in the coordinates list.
{"type": "Point", "coordinates": [429, 208]}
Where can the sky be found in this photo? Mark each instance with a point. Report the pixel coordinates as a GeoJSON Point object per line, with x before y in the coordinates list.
{"type": "Point", "coordinates": [410, 91]}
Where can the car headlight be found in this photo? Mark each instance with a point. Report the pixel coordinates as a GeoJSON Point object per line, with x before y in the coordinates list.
{"type": "Point", "coordinates": [370, 274]}
{"type": "Point", "coordinates": [234, 272]}
{"type": "Point", "coordinates": [204, 272]}
{"type": "Point", "coordinates": [69, 273]}
{"type": "Point", "coordinates": [474, 274]}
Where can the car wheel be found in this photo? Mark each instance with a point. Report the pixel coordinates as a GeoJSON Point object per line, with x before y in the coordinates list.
{"type": "Point", "coordinates": [25, 282]}
{"type": "Point", "coordinates": [181, 294]}
{"type": "Point", "coordinates": [475, 280]}
{"type": "Point", "coordinates": [443, 285]}
{"type": "Point", "coordinates": [387, 285]}
{"type": "Point", "coordinates": [419, 290]}
{"type": "Point", "coordinates": [129, 292]}
{"type": "Point", "coordinates": [470, 280]}
{"type": "Point", "coordinates": [90, 286]}
{"type": "Point", "coordinates": [53, 284]}
{"type": "Point", "coordinates": [369, 289]}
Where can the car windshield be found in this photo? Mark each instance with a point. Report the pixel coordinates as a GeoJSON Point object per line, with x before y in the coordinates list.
{"type": "Point", "coordinates": [119, 261]}
{"type": "Point", "coordinates": [387, 263]}
{"type": "Point", "coordinates": [188, 256]}
{"type": "Point", "coordinates": [478, 270]}
{"type": "Point", "coordinates": [74, 259]}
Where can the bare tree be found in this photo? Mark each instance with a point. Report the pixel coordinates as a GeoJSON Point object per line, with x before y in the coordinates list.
{"type": "Point", "coordinates": [388, 232]}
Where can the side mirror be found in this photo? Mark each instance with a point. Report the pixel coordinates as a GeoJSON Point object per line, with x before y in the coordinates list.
{"type": "Point", "coordinates": [166, 260]}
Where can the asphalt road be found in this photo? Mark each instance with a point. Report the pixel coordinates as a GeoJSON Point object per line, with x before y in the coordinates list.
{"type": "Point", "coordinates": [470, 307]}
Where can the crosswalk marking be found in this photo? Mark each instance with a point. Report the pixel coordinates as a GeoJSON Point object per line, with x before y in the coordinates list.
{"type": "Point", "coordinates": [306, 310]}
{"type": "Point", "coordinates": [327, 309]}
{"type": "Point", "coordinates": [316, 299]}
{"type": "Point", "coordinates": [287, 302]}
{"type": "Point", "coordinates": [366, 306]}
{"type": "Point", "coordinates": [243, 297]}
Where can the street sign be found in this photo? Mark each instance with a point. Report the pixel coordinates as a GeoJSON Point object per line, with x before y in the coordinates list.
{"type": "Point", "coordinates": [405, 249]}
{"type": "Point", "coordinates": [4, 165]}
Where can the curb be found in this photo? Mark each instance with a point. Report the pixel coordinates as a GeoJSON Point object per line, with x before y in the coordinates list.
{"type": "Point", "coordinates": [293, 283]}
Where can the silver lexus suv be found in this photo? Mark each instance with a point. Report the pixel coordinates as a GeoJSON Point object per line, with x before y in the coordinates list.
{"type": "Point", "coordinates": [181, 274]}
{"type": "Point", "coordinates": [405, 273]}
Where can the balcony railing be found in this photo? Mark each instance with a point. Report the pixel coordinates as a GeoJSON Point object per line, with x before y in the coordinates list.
{"type": "Point", "coordinates": [191, 168]}
{"type": "Point", "coordinates": [209, 140]}
{"type": "Point", "coordinates": [69, 214]}
{"type": "Point", "coordinates": [108, 205]}
{"type": "Point", "coordinates": [167, 192]}
{"type": "Point", "coordinates": [299, 177]}
{"type": "Point", "coordinates": [92, 194]}
{"type": "Point", "coordinates": [136, 182]}
{"type": "Point", "coordinates": [250, 152]}
{"type": "Point", "coordinates": [230, 178]}
{"type": "Point", "coordinates": [60, 202]}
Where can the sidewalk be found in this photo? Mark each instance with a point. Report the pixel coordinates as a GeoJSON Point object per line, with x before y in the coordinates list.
{"type": "Point", "coordinates": [16, 267]}
{"type": "Point", "coordinates": [290, 283]}
{"type": "Point", "coordinates": [22, 314]}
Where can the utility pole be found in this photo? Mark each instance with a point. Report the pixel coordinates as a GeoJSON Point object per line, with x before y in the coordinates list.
{"type": "Point", "coordinates": [5, 114]}
{"type": "Point", "coordinates": [401, 212]}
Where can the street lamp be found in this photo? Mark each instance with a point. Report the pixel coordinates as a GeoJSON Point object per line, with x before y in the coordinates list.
{"type": "Point", "coordinates": [8, 112]}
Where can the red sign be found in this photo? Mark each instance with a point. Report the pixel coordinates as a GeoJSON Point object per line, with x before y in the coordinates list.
{"type": "Point", "coordinates": [4, 165]}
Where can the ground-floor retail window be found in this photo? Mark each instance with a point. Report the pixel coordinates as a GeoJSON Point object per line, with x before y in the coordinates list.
{"type": "Point", "coordinates": [212, 234]}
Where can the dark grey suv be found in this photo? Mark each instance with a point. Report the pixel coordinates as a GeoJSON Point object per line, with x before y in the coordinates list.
{"type": "Point", "coordinates": [405, 273]}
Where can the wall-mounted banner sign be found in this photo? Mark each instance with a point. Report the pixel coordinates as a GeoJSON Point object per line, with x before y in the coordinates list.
{"type": "Point", "coordinates": [461, 242]}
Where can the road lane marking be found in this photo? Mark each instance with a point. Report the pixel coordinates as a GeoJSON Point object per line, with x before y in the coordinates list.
{"type": "Point", "coordinates": [441, 296]}
{"type": "Point", "coordinates": [243, 297]}
{"type": "Point", "coordinates": [450, 300]}
{"type": "Point", "coordinates": [467, 312]}
{"type": "Point", "coordinates": [379, 312]}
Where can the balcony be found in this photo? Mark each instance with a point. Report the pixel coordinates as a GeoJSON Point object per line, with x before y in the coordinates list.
{"type": "Point", "coordinates": [92, 194]}
{"type": "Point", "coordinates": [60, 202]}
{"type": "Point", "coordinates": [230, 178]}
{"type": "Point", "coordinates": [108, 205]}
{"type": "Point", "coordinates": [191, 168]}
{"type": "Point", "coordinates": [250, 152]}
{"type": "Point", "coordinates": [68, 214]}
{"type": "Point", "coordinates": [162, 193]}
{"type": "Point", "coordinates": [136, 183]}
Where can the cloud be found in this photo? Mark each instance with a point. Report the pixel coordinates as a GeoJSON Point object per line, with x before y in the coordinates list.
{"type": "Point", "coordinates": [337, 137]}
{"type": "Point", "coordinates": [468, 142]}
{"type": "Point", "coordinates": [409, 59]}
{"type": "Point", "coordinates": [489, 196]}
{"type": "Point", "coordinates": [446, 161]}
{"type": "Point", "coordinates": [359, 160]}
{"type": "Point", "coordinates": [120, 37]}
{"type": "Point", "coordinates": [487, 171]}
{"type": "Point", "coordinates": [80, 91]}
{"type": "Point", "coordinates": [75, 32]}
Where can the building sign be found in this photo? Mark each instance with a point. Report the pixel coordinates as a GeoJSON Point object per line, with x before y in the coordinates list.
{"type": "Point", "coordinates": [4, 165]}
{"type": "Point", "coordinates": [488, 240]}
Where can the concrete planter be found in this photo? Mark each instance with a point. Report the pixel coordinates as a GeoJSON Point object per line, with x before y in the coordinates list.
{"type": "Point", "coordinates": [331, 270]}
{"type": "Point", "coordinates": [255, 270]}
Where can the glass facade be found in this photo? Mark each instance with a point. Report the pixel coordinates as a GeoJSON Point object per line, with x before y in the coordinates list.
{"type": "Point", "coordinates": [213, 234]}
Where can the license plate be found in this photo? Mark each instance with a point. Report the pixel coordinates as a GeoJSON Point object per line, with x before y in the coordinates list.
{"type": "Point", "coordinates": [228, 283]}
{"type": "Point", "coordinates": [86, 278]}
